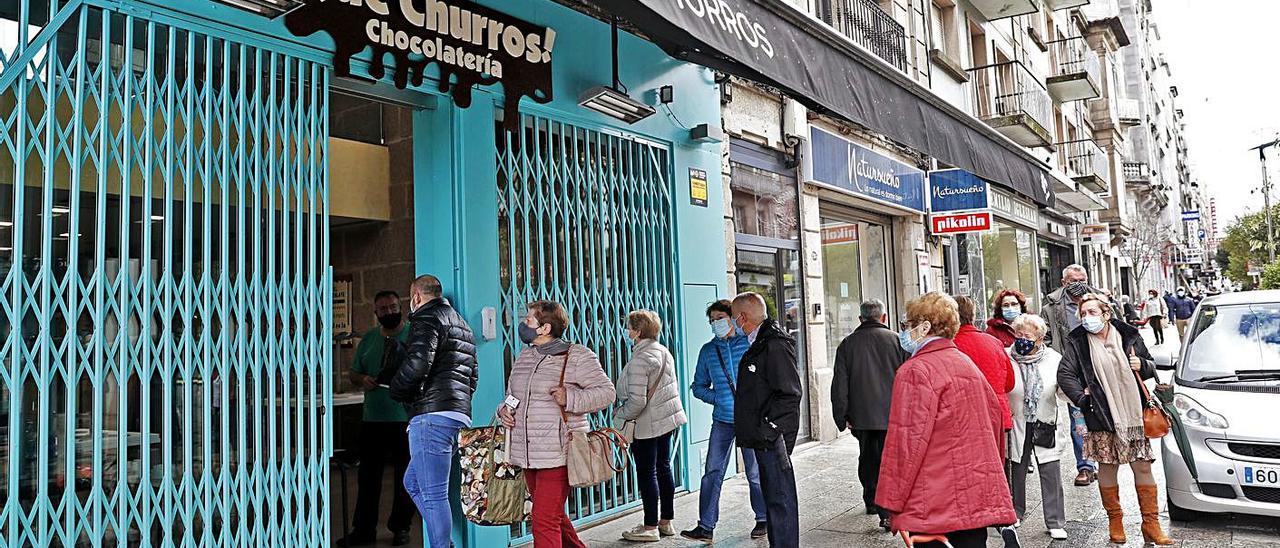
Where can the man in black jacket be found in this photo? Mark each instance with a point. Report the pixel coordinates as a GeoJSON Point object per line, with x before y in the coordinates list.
{"type": "Point", "coordinates": [766, 414]}
{"type": "Point", "coordinates": [861, 390]}
{"type": "Point", "coordinates": [435, 383]}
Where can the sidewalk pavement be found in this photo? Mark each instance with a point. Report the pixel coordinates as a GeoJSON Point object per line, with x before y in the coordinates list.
{"type": "Point", "coordinates": [832, 513]}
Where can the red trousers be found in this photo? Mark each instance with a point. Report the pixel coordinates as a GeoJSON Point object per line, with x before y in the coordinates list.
{"type": "Point", "coordinates": [551, 526]}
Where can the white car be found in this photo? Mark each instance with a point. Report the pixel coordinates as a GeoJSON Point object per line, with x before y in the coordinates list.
{"type": "Point", "coordinates": [1226, 389]}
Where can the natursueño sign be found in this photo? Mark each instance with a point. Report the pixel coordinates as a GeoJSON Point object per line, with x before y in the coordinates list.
{"type": "Point", "coordinates": [956, 190]}
{"type": "Point", "coordinates": [469, 43]}
{"type": "Point", "coordinates": [838, 162]}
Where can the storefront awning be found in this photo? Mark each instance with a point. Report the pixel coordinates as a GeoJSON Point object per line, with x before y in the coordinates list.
{"type": "Point", "coordinates": [772, 43]}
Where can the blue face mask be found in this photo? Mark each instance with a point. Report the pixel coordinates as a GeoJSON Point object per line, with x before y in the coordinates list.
{"type": "Point", "coordinates": [907, 342]}
{"type": "Point", "coordinates": [1024, 346]}
{"type": "Point", "coordinates": [721, 328]}
{"type": "Point", "coordinates": [1092, 324]}
{"type": "Point", "coordinates": [1010, 313]}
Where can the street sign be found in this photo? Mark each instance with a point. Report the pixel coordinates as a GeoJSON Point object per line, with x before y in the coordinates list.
{"type": "Point", "coordinates": [1193, 215]}
{"type": "Point", "coordinates": [960, 223]}
{"type": "Point", "coordinates": [1095, 234]}
{"type": "Point", "coordinates": [956, 190]}
{"type": "Point", "coordinates": [1202, 234]}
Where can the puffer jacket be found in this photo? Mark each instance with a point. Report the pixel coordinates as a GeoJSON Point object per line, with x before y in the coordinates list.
{"type": "Point", "coordinates": [716, 376]}
{"type": "Point", "coordinates": [651, 367]}
{"type": "Point", "coordinates": [538, 439]}
{"type": "Point", "coordinates": [439, 371]}
{"type": "Point", "coordinates": [941, 470]}
{"type": "Point", "coordinates": [989, 355]}
{"type": "Point", "coordinates": [1002, 330]}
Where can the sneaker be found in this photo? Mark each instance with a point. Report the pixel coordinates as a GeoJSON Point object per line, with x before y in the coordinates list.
{"type": "Point", "coordinates": [666, 529]}
{"type": "Point", "coordinates": [1010, 536]}
{"type": "Point", "coordinates": [642, 534]}
{"type": "Point", "coordinates": [699, 534]}
{"type": "Point", "coordinates": [1058, 534]}
{"type": "Point", "coordinates": [761, 530]}
{"type": "Point", "coordinates": [356, 539]}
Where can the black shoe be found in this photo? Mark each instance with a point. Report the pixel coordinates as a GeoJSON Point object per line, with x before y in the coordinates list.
{"type": "Point", "coordinates": [884, 524]}
{"type": "Point", "coordinates": [357, 539]}
{"type": "Point", "coordinates": [699, 534]}
{"type": "Point", "coordinates": [761, 530]}
{"type": "Point", "coordinates": [872, 510]}
{"type": "Point", "coordinates": [1010, 536]}
{"type": "Point", "coordinates": [400, 538]}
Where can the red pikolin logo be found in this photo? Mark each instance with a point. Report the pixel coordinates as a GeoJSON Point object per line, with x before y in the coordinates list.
{"type": "Point", "coordinates": [961, 223]}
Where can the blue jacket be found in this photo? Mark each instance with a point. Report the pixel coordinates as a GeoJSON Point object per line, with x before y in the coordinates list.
{"type": "Point", "coordinates": [712, 380]}
{"type": "Point", "coordinates": [1182, 307]}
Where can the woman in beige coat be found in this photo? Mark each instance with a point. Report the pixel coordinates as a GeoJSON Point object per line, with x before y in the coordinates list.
{"type": "Point", "coordinates": [650, 397]}
{"type": "Point", "coordinates": [552, 388]}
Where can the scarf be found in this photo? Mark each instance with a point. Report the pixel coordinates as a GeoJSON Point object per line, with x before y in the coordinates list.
{"type": "Point", "coordinates": [1033, 385]}
{"type": "Point", "coordinates": [552, 347]}
{"type": "Point", "coordinates": [1111, 366]}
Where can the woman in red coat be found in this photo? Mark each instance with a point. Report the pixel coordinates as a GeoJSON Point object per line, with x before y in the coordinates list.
{"type": "Point", "coordinates": [941, 472]}
{"type": "Point", "coordinates": [1009, 304]}
{"type": "Point", "coordinates": [988, 354]}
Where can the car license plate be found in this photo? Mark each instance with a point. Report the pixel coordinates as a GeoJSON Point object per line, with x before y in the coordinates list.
{"type": "Point", "coordinates": [1254, 475]}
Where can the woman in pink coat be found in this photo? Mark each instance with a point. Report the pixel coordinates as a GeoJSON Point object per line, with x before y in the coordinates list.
{"type": "Point", "coordinates": [941, 471]}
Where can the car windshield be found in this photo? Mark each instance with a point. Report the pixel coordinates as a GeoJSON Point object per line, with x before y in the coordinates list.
{"type": "Point", "coordinates": [1236, 343]}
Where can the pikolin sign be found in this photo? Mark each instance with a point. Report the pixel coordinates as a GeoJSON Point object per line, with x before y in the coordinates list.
{"type": "Point", "coordinates": [469, 43]}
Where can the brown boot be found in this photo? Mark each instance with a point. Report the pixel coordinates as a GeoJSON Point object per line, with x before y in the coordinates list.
{"type": "Point", "coordinates": [1115, 514]}
{"type": "Point", "coordinates": [1150, 506]}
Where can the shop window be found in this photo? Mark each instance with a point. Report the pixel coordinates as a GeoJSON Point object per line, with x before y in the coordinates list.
{"type": "Point", "coordinates": [764, 203]}
{"type": "Point", "coordinates": [855, 267]}
{"type": "Point", "coordinates": [1009, 263]}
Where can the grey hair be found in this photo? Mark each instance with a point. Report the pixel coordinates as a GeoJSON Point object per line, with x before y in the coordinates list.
{"type": "Point", "coordinates": [1074, 268]}
{"type": "Point", "coordinates": [1036, 323]}
{"type": "Point", "coordinates": [752, 304]}
{"type": "Point", "coordinates": [872, 309]}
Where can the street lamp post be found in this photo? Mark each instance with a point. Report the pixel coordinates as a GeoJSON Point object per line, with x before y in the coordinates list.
{"type": "Point", "coordinates": [1266, 196]}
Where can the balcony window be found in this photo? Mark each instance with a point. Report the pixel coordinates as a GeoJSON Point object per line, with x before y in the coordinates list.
{"type": "Point", "coordinates": [1013, 101]}
{"type": "Point", "coordinates": [868, 25]}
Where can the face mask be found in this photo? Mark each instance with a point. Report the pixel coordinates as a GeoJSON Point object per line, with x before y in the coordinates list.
{"type": "Point", "coordinates": [908, 342]}
{"type": "Point", "coordinates": [721, 327]}
{"type": "Point", "coordinates": [527, 334]}
{"type": "Point", "coordinates": [1077, 289]}
{"type": "Point", "coordinates": [1024, 346]}
{"type": "Point", "coordinates": [1092, 324]}
{"type": "Point", "coordinates": [390, 321]}
{"type": "Point", "coordinates": [1011, 313]}
{"type": "Point", "coordinates": [1182, 293]}
{"type": "Point", "coordinates": [626, 334]}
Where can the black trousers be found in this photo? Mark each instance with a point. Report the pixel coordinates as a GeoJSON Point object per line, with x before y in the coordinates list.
{"type": "Point", "coordinates": [1157, 325]}
{"type": "Point", "coordinates": [972, 538]}
{"type": "Point", "coordinates": [653, 472]}
{"type": "Point", "coordinates": [870, 447]}
{"type": "Point", "coordinates": [382, 444]}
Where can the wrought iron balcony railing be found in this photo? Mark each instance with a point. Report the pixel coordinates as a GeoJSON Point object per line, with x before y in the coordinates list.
{"type": "Point", "coordinates": [1136, 172]}
{"type": "Point", "coordinates": [1128, 111]}
{"type": "Point", "coordinates": [1086, 162]}
{"type": "Point", "coordinates": [1010, 89]}
{"type": "Point", "coordinates": [1072, 56]}
{"type": "Point", "coordinates": [864, 22]}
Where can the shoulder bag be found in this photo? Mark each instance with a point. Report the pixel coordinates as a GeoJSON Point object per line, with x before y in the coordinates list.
{"type": "Point", "coordinates": [592, 457]}
{"type": "Point", "coordinates": [493, 490]}
{"type": "Point", "coordinates": [724, 367]}
{"type": "Point", "coordinates": [1155, 422]}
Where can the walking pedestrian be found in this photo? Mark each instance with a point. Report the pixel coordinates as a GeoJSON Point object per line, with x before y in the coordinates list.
{"type": "Point", "coordinates": [1154, 310]}
{"type": "Point", "coordinates": [989, 355]}
{"type": "Point", "coordinates": [435, 383]}
{"type": "Point", "coordinates": [1181, 307]}
{"type": "Point", "coordinates": [1098, 374]}
{"type": "Point", "coordinates": [862, 390]}
{"type": "Point", "coordinates": [766, 414]}
{"type": "Point", "coordinates": [715, 379]}
{"type": "Point", "coordinates": [1061, 314]}
{"type": "Point", "coordinates": [650, 396]}
{"type": "Point", "coordinates": [552, 387]}
{"type": "Point", "coordinates": [1130, 315]}
{"type": "Point", "coordinates": [1034, 403]}
{"type": "Point", "coordinates": [1008, 305]}
{"type": "Point", "coordinates": [383, 441]}
{"type": "Point", "coordinates": [941, 473]}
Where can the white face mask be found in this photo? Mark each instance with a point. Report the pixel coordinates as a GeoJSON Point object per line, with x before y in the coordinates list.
{"type": "Point", "coordinates": [1093, 324]}
{"type": "Point", "coordinates": [721, 327]}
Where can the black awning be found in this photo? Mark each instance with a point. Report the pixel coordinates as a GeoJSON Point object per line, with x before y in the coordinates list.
{"type": "Point", "coordinates": [765, 41]}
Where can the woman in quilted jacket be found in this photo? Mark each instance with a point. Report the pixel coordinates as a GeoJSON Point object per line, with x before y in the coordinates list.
{"type": "Point", "coordinates": [941, 471]}
{"type": "Point", "coordinates": [553, 386]}
{"type": "Point", "coordinates": [651, 412]}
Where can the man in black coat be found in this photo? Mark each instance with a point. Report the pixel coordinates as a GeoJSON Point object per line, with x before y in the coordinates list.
{"type": "Point", "coordinates": [435, 383]}
{"type": "Point", "coordinates": [766, 413]}
{"type": "Point", "coordinates": [861, 390]}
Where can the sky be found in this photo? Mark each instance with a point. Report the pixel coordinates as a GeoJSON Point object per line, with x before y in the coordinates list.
{"type": "Point", "coordinates": [1224, 60]}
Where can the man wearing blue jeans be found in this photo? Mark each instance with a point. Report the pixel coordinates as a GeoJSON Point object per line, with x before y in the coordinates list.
{"type": "Point", "coordinates": [435, 382]}
{"type": "Point", "coordinates": [1061, 311]}
{"type": "Point", "coordinates": [714, 382]}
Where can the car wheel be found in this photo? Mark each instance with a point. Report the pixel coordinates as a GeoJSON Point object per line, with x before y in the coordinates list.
{"type": "Point", "coordinates": [1178, 513]}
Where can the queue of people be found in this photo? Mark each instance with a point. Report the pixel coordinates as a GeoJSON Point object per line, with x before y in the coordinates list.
{"type": "Point", "coordinates": [913, 399]}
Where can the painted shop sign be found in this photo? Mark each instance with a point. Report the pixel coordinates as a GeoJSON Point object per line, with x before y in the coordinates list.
{"type": "Point", "coordinates": [840, 163]}
{"type": "Point", "coordinates": [470, 44]}
{"type": "Point", "coordinates": [956, 190]}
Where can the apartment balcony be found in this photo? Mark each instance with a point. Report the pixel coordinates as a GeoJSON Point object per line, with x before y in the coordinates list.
{"type": "Point", "coordinates": [1057, 5]}
{"type": "Point", "coordinates": [1001, 9]}
{"type": "Point", "coordinates": [1077, 72]}
{"type": "Point", "coordinates": [1010, 99]}
{"type": "Point", "coordinates": [1086, 164]}
{"type": "Point", "coordinates": [1128, 111]}
{"type": "Point", "coordinates": [864, 22]}
{"type": "Point", "coordinates": [1137, 173]}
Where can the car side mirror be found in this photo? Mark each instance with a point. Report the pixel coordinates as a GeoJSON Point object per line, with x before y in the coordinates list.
{"type": "Point", "coordinates": [1166, 360]}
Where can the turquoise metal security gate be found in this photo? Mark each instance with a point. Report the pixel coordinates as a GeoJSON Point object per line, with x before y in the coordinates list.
{"type": "Point", "coordinates": [586, 218]}
{"type": "Point", "coordinates": [164, 364]}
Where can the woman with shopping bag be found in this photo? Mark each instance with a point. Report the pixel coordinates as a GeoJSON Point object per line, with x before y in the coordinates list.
{"type": "Point", "coordinates": [553, 386]}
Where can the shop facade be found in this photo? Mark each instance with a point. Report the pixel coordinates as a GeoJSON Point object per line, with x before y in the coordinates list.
{"type": "Point", "coordinates": [175, 195]}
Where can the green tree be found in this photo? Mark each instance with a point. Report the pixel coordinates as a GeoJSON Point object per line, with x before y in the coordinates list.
{"type": "Point", "coordinates": [1246, 242]}
{"type": "Point", "coordinates": [1270, 277]}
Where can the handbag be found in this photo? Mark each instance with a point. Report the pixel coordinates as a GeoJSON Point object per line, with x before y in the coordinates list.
{"type": "Point", "coordinates": [493, 491]}
{"type": "Point", "coordinates": [592, 457]}
{"type": "Point", "coordinates": [1044, 434]}
{"type": "Point", "coordinates": [1155, 421]}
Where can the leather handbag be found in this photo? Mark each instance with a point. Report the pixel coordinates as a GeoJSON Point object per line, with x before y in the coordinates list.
{"type": "Point", "coordinates": [1044, 434]}
{"type": "Point", "coordinates": [1155, 421]}
{"type": "Point", "coordinates": [592, 457]}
